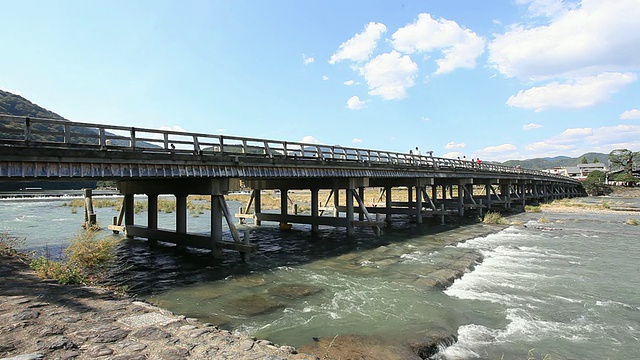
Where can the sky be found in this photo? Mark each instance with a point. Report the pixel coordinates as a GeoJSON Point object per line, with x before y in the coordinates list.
{"type": "Point", "coordinates": [493, 79]}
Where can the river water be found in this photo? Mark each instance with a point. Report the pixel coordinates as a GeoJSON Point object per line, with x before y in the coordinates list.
{"type": "Point", "coordinates": [565, 284]}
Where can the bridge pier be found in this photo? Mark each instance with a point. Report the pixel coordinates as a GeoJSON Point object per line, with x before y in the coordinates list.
{"type": "Point", "coordinates": [181, 188]}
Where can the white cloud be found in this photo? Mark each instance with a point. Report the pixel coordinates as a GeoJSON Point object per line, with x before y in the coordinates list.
{"type": "Point", "coordinates": [546, 8]}
{"type": "Point", "coordinates": [221, 130]}
{"type": "Point", "coordinates": [454, 145]}
{"type": "Point", "coordinates": [310, 140]}
{"type": "Point", "coordinates": [460, 47]}
{"type": "Point", "coordinates": [633, 114]}
{"type": "Point", "coordinates": [389, 75]}
{"type": "Point", "coordinates": [325, 78]}
{"type": "Point", "coordinates": [356, 141]}
{"type": "Point", "coordinates": [531, 126]}
{"type": "Point", "coordinates": [577, 141]}
{"type": "Point", "coordinates": [307, 60]}
{"type": "Point", "coordinates": [591, 38]}
{"type": "Point", "coordinates": [580, 93]}
{"type": "Point", "coordinates": [176, 128]}
{"type": "Point", "coordinates": [349, 82]}
{"type": "Point", "coordinates": [499, 148]}
{"type": "Point", "coordinates": [498, 153]}
{"type": "Point", "coordinates": [360, 47]}
{"type": "Point", "coordinates": [453, 155]}
{"type": "Point", "coordinates": [354, 103]}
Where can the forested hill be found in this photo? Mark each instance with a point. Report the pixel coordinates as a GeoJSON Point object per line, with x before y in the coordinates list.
{"type": "Point", "coordinates": [559, 161]}
{"type": "Point", "coordinates": [12, 104]}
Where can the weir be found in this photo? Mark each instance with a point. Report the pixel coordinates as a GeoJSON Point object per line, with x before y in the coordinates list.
{"type": "Point", "coordinates": [154, 162]}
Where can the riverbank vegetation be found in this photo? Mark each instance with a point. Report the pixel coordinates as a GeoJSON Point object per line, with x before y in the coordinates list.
{"type": "Point", "coordinates": [85, 261]}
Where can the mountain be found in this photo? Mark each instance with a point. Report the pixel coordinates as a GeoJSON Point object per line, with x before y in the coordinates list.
{"type": "Point", "coordinates": [558, 161]}
{"type": "Point", "coordinates": [11, 104]}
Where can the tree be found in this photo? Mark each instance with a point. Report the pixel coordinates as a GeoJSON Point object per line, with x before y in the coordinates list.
{"type": "Point", "coordinates": [623, 158]}
{"type": "Point", "coordinates": [584, 160]}
{"type": "Point", "coordinates": [595, 160]}
{"type": "Point", "coordinates": [595, 184]}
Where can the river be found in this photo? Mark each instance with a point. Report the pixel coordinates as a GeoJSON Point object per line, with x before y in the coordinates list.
{"type": "Point", "coordinates": [564, 284]}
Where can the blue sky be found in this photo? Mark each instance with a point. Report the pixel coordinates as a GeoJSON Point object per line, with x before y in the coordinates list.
{"type": "Point", "coordinates": [498, 80]}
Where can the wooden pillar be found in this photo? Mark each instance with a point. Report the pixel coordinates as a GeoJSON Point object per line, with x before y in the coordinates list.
{"type": "Point", "coordinates": [419, 204]}
{"type": "Point", "coordinates": [336, 202]}
{"type": "Point", "coordinates": [350, 215]}
{"type": "Point", "coordinates": [181, 213]}
{"type": "Point", "coordinates": [460, 200]}
{"type": "Point", "coordinates": [487, 189]}
{"type": "Point", "coordinates": [388, 200]}
{"type": "Point", "coordinates": [257, 205]}
{"type": "Point", "coordinates": [216, 226]}
{"type": "Point", "coordinates": [129, 204]}
{"type": "Point", "coordinates": [444, 192]}
{"type": "Point", "coordinates": [152, 215]}
{"type": "Point", "coordinates": [410, 196]}
{"type": "Point", "coordinates": [361, 193]}
{"type": "Point", "coordinates": [284, 200]}
{"type": "Point", "coordinates": [314, 209]}
{"type": "Point", "coordinates": [434, 194]}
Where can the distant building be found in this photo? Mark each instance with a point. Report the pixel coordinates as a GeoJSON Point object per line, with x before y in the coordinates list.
{"type": "Point", "coordinates": [580, 172]}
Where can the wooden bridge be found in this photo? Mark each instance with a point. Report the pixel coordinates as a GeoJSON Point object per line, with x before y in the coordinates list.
{"type": "Point", "coordinates": [155, 162]}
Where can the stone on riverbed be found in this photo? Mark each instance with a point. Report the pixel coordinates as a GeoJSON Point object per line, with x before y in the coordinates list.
{"type": "Point", "coordinates": [293, 291]}
{"type": "Point", "coordinates": [358, 347]}
{"type": "Point", "coordinates": [253, 305]}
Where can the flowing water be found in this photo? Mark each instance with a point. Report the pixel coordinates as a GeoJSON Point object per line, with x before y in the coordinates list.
{"type": "Point", "coordinates": [564, 284]}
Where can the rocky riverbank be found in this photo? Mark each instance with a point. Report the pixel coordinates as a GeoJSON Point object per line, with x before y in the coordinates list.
{"type": "Point", "coordinates": [46, 320]}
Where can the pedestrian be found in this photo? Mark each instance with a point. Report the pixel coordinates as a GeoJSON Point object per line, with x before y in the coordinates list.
{"type": "Point", "coordinates": [417, 151]}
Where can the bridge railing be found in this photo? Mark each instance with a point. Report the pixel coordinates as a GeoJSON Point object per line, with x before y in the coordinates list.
{"type": "Point", "coordinates": [49, 132]}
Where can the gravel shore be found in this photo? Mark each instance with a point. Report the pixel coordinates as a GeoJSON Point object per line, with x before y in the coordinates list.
{"type": "Point", "coordinates": [45, 320]}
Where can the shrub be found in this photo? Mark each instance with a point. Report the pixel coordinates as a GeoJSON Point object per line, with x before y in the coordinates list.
{"type": "Point", "coordinates": [86, 261]}
{"type": "Point", "coordinates": [543, 219]}
{"type": "Point", "coordinates": [9, 245]}
{"type": "Point", "coordinates": [632, 221]}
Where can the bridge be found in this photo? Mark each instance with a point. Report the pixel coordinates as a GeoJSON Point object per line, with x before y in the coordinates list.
{"type": "Point", "coordinates": [156, 162]}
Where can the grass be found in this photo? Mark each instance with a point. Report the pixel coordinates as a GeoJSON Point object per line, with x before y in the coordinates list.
{"type": "Point", "coordinates": [533, 209]}
{"type": "Point", "coordinates": [85, 262]}
{"type": "Point", "coordinates": [632, 221]}
{"type": "Point", "coordinates": [10, 245]}
{"type": "Point", "coordinates": [494, 218]}
{"type": "Point", "coordinates": [543, 219]}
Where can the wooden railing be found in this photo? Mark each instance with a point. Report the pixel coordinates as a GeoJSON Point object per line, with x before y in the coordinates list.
{"type": "Point", "coordinates": [43, 132]}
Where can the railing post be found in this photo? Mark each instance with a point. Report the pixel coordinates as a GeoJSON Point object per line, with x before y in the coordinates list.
{"type": "Point", "coordinates": [221, 139]}
{"type": "Point", "coordinates": [67, 134]}
{"type": "Point", "coordinates": [133, 138]}
{"type": "Point", "coordinates": [27, 129]}
{"type": "Point", "coordinates": [103, 141]}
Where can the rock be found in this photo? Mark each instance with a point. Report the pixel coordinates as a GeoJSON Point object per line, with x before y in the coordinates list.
{"type": "Point", "coordinates": [111, 336]}
{"type": "Point", "coordinates": [429, 344]}
{"type": "Point", "coordinates": [27, 314]}
{"type": "Point", "coordinates": [357, 347]}
{"type": "Point", "coordinates": [173, 353]}
{"type": "Point", "coordinates": [245, 345]}
{"type": "Point", "coordinates": [253, 305]}
{"type": "Point", "coordinates": [151, 333]}
{"type": "Point", "coordinates": [26, 357]}
{"type": "Point", "coordinates": [293, 291]}
{"type": "Point", "coordinates": [198, 332]}
{"type": "Point", "coordinates": [100, 350]}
